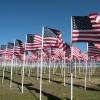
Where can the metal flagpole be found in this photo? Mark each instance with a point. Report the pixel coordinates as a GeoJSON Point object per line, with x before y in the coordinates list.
{"type": "Point", "coordinates": [49, 64]}
{"type": "Point", "coordinates": [91, 67]}
{"type": "Point", "coordinates": [64, 69]}
{"type": "Point", "coordinates": [23, 66]}
{"type": "Point", "coordinates": [41, 64]}
{"type": "Point", "coordinates": [54, 66]}
{"type": "Point", "coordinates": [86, 70]}
{"type": "Point", "coordinates": [75, 67]}
{"type": "Point", "coordinates": [79, 65]}
{"type": "Point", "coordinates": [71, 63]}
{"type": "Point", "coordinates": [38, 65]}
{"type": "Point", "coordinates": [4, 65]}
{"type": "Point", "coordinates": [12, 64]}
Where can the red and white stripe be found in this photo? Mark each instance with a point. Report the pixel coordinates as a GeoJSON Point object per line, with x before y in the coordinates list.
{"type": "Point", "coordinates": [75, 52]}
{"type": "Point", "coordinates": [88, 35]}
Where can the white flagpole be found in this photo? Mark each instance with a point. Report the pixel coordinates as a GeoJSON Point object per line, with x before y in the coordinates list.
{"type": "Point", "coordinates": [23, 66]}
{"type": "Point", "coordinates": [85, 76]}
{"type": "Point", "coordinates": [79, 65]}
{"type": "Point", "coordinates": [4, 65]}
{"type": "Point", "coordinates": [12, 64]}
{"type": "Point", "coordinates": [38, 65]}
{"type": "Point", "coordinates": [54, 67]}
{"type": "Point", "coordinates": [71, 86]}
{"type": "Point", "coordinates": [71, 63]}
{"type": "Point", "coordinates": [75, 67]}
{"type": "Point", "coordinates": [49, 64]}
{"type": "Point", "coordinates": [89, 70]}
{"type": "Point", "coordinates": [86, 69]}
{"type": "Point", "coordinates": [91, 67]}
{"type": "Point", "coordinates": [64, 70]}
{"type": "Point", "coordinates": [41, 64]}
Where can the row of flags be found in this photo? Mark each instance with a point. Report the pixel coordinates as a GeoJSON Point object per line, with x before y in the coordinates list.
{"type": "Point", "coordinates": [84, 29]}
{"type": "Point", "coordinates": [53, 47]}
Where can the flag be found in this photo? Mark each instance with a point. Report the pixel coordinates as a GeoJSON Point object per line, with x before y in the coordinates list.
{"type": "Point", "coordinates": [83, 56]}
{"type": "Point", "coordinates": [49, 32]}
{"type": "Point", "coordinates": [92, 49]}
{"type": "Point", "coordinates": [52, 37]}
{"type": "Point", "coordinates": [85, 28]}
{"type": "Point", "coordinates": [97, 45]}
{"type": "Point", "coordinates": [98, 19]}
{"type": "Point", "coordinates": [29, 38]}
{"type": "Point", "coordinates": [10, 48]}
{"type": "Point", "coordinates": [37, 39]}
{"type": "Point", "coordinates": [33, 42]}
{"type": "Point", "coordinates": [19, 49]}
{"type": "Point", "coordinates": [18, 43]}
{"type": "Point", "coordinates": [76, 52]}
{"type": "Point", "coordinates": [67, 49]}
{"type": "Point", "coordinates": [66, 46]}
{"type": "Point", "coordinates": [10, 45]}
{"type": "Point", "coordinates": [3, 47]}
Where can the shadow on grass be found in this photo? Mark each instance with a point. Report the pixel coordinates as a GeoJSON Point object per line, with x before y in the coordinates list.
{"type": "Point", "coordinates": [48, 95]}
{"type": "Point", "coordinates": [59, 82]}
{"type": "Point", "coordinates": [87, 88]}
{"type": "Point", "coordinates": [75, 85]}
{"type": "Point", "coordinates": [98, 85]}
{"type": "Point", "coordinates": [30, 88]}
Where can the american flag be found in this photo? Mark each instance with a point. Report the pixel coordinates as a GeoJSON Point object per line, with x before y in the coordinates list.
{"type": "Point", "coordinates": [33, 42]}
{"type": "Point", "coordinates": [85, 29]}
{"type": "Point", "coordinates": [10, 48]}
{"type": "Point", "coordinates": [49, 42]}
{"type": "Point", "coordinates": [97, 45]}
{"type": "Point", "coordinates": [2, 49]}
{"type": "Point", "coordinates": [75, 52]}
{"type": "Point", "coordinates": [84, 56]}
{"type": "Point", "coordinates": [97, 58]}
{"type": "Point", "coordinates": [52, 37]}
{"type": "Point", "coordinates": [92, 49]}
{"type": "Point", "coordinates": [98, 18]}
{"type": "Point", "coordinates": [67, 49]}
{"type": "Point", "coordinates": [19, 49]}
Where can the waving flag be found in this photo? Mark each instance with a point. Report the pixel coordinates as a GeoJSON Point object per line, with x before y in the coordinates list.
{"type": "Point", "coordinates": [10, 45]}
{"type": "Point", "coordinates": [97, 45]}
{"type": "Point", "coordinates": [92, 49]}
{"type": "Point", "coordinates": [2, 49]}
{"type": "Point", "coordinates": [98, 19]}
{"type": "Point", "coordinates": [76, 53]}
{"type": "Point", "coordinates": [18, 43]}
{"type": "Point", "coordinates": [33, 42]}
{"type": "Point", "coordinates": [85, 29]}
{"type": "Point", "coordinates": [52, 37]}
{"type": "Point", "coordinates": [19, 49]}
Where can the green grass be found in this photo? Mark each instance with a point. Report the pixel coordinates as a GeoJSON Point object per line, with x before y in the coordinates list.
{"type": "Point", "coordinates": [51, 91]}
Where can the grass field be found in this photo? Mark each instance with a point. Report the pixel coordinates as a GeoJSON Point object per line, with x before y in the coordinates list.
{"type": "Point", "coordinates": [55, 90]}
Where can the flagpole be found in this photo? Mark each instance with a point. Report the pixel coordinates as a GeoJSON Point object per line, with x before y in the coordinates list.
{"type": "Point", "coordinates": [41, 64]}
{"type": "Point", "coordinates": [91, 67]}
{"type": "Point", "coordinates": [75, 68]}
{"type": "Point", "coordinates": [64, 70]}
{"type": "Point", "coordinates": [38, 65]}
{"type": "Point", "coordinates": [71, 63]}
{"type": "Point", "coordinates": [12, 64]}
{"type": "Point", "coordinates": [4, 66]}
{"type": "Point", "coordinates": [86, 70]}
{"type": "Point", "coordinates": [23, 66]}
{"type": "Point", "coordinates": [79, 66]}
{"type": "Point", "coordinates": [49, 64]}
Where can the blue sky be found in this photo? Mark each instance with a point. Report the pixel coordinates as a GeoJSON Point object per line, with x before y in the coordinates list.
{"type": "Point", "coordinates": [20, 17]}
